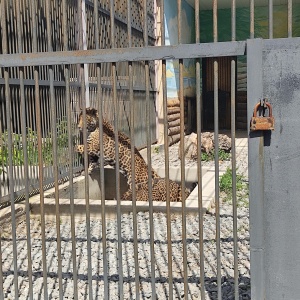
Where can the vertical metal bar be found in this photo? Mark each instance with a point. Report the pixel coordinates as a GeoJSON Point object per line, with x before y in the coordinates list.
{"type": "Point", "coordinates": [10, 149]}
{"type": "Point", "coordinates": [71, 174]}
{"type": "Point", "coordinates": [179, 14]}
{"type": "Point", "coordinates": [145, 22]}
{"type": "Point", "coordinates": [129, 20]}
{"type": "Point", "coordinates": [87, 199]}
{"type": "Point", "coordinates": [216, 140]}
{"type": "Point", "coordinates": [102, 185]}
{"type": "Point", "coordinates": [233, 155]}
{"type": "Point", "coordinates": [84, 47]}
{"type": "Point", "coordinates": [40, 149]}
{"type": "Point", "coordinates": [1, 271]}
{"type": "Point", "coordinates": [24, 143]}
{"type": "Point", "coordinates": [134, 210]}
{"type": "Point", "coordinates": [55, 153]}
{"type": "Point", "coordinates": [233, 20]}
{"type": "Point", "coordinates": [118, 196]}
{"type": "Point", "coordinates": [184, 241]}
{"type": "Point", "coordinates": [86, 159]}
{"type": "Point", "coordinates": [96, 24]}
{"type": "Point", "coordinates": [11, 179]}
{"type": "Point", "coordinates": [151, 222]}
{"type": "Point", "coordinates": [166, 150]}
{"type": "Point", "coordinates": [85, 156]}
{"type": "Point", "coordinates": [41, 178]}
{"type": "Point", "coordinates": [217, 173]}
{"type": "Point", "coordinates": [181, 99]}
{"type": "Point", "coordinates": [256, 170]}
{"type": "Point", "coordinates": [116, 119]}
{"type": "Point", "coordinates": [270, 19]}
{"type": "Point", "coordinates": [215, 20]}
{"type": "Point", "coordinates": [199, 166]}
{"type": "Point", "coordinates": [290, 18]}
{"type": "Point", "coordinates": [252, 19]}
{"type": "Point", "coordinates": [167, 176]}
{"type": "Point", "coordinates": [233, 167]}
{"type": "Point", "coordinates": [70, 152]}
{"type": "Point", "coordinates": [112, 23]}
{"type": "Point", "coordinates": [132, 140]}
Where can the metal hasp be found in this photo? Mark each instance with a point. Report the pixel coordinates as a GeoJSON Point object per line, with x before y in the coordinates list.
{"type": "Point", "coordinates": [262, 122]}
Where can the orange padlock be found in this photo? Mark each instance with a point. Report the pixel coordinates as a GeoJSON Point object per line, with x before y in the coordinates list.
{"type": "Point", "coordinates": [262, 123]}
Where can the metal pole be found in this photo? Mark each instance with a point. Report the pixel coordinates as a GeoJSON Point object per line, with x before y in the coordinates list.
{"type": "Point", "coordinates": [24, 142]}
{"type": "Point", "coordinates": [199, 166]}
{"type": "Point", "coordinates": [86, 158]}
{"type": "Point", "coordinates": [10, 150]}
{"type": "Point", "coordinates": [216, 140]}
{"type": "Point", "coordinates": [251, 19]}
{"type": "Point", "coordinates": [71, 154]}
{"type": "Point", "coordinates": [40, 148]}
{"type": "Point", "coordinates": [117, 165]}
{"type": "Point", "coordinates": [181, 99]}
{"type": "Point", "coordinates": [290, 18]}
{"type": "Point", "coordinates": [270, 19]}
{"type": "Point", "coordinates": [166, 151]}
{"type": "Point", "coordinates": [132, 141]}
{"type": "Point", "coordinates": [233, 154]}
{"type": "Point", "coordinates": [55, 153]}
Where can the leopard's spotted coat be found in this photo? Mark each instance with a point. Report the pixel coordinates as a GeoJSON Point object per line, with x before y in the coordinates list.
{"type": "Point", "coordinates": [141, 169]}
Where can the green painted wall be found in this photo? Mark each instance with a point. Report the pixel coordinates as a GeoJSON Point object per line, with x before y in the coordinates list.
{"type": "Point", "coordinates": [261, 29]}
{"type": "Point", "coordinates": [224, 34]}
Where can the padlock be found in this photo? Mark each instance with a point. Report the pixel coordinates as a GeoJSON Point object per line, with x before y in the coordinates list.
{"type": "Point", "coordinates": [262, 123]}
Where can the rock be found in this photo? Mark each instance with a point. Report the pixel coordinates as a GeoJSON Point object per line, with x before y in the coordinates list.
{"type": "Point", "coordinates": [207, 144]}
{"type": "Point", "coordinates": [190, 146]}
{"type": "Point", "coordinates": [224, 142]}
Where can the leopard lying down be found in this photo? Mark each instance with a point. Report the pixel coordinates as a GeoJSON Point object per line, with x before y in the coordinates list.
{"type": "Point", "coordinates": [109, 156]}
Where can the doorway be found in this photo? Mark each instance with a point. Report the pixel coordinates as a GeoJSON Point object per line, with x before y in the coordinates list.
{"type": "Point", "coordinates": [224, 92]}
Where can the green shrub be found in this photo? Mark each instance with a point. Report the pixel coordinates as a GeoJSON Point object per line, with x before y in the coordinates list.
{"type": "Point", "coordinates": [242, 189]}
{"type": "Point", "coordinates": [223, 155]}
{"type": "Point", "coordinates": [32, 146]}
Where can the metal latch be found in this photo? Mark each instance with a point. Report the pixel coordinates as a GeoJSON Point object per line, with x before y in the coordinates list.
{"type": "Point", "coordinates": [262, 122]}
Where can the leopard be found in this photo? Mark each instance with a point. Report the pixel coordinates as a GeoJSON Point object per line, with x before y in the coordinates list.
{"type": "Point", "coordinates": [141, 174]}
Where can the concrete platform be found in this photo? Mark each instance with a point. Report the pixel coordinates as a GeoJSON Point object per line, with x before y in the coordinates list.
{"type": "Point", "coordinates": [95, 205]}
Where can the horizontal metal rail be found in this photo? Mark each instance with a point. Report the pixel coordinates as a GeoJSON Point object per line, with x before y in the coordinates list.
{"type": "Point", "coordinates": [182, 51]}
{"type": "Point", "coordinates": [31, 82]}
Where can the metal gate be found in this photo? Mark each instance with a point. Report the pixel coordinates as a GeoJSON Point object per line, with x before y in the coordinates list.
{"type": "Point", "coordinates": [65, 244]}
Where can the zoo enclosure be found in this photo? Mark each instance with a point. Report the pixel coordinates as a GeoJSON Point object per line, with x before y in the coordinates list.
{"type": "Point", "coordinates": [68, 60]}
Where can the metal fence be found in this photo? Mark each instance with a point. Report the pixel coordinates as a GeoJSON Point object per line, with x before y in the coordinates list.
{"type": "Point", "coordinates": [55, 59]}
{"type": "Point", "coordinates": [51, 27]}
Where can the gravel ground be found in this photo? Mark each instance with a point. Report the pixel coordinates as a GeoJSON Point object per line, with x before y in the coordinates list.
{"type": "Point", "coordinates": [160, 253]}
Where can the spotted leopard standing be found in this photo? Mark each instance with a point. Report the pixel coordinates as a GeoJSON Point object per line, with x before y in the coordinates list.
{"type": "Point", "coordinates": [109, 156]}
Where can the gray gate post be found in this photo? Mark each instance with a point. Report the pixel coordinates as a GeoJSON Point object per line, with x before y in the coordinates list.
{"type": "Point", "coordinates": [256, 159]}
{"type": "Point", "coordinates": [274, 170]}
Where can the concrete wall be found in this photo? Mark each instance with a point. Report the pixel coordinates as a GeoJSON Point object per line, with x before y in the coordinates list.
{"type": "Point", "coordinates": [274, 162]}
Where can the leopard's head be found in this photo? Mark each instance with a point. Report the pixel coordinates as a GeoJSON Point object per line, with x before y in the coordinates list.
{"type": "Point", "coordinates": [92, 120]}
